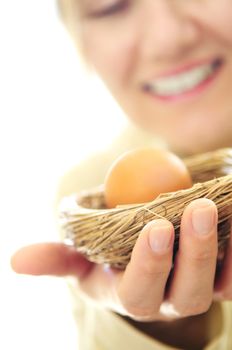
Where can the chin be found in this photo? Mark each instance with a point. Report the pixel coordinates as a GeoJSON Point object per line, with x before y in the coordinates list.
{"type": "Point", "coordinates": [200, 140]}
{"type": "Point", "coordinates": [200, 146]}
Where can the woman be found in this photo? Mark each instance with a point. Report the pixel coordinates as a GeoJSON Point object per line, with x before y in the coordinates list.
{"type": "Point", "coordinates": [169, 66]}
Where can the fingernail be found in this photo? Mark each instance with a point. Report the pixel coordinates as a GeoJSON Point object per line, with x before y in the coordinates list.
{"type": "Point", "coordinates": [203, 219]}
{"type": "Point", "coordinates": [160, 236]}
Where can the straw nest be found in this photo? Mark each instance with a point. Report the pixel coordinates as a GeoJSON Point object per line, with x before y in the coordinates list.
{"type": "Point", "coordinates": [108, 235]}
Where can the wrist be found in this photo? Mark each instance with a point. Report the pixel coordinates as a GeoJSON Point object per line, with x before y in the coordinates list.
{"type": "Point", "coordinates": [198, 330]}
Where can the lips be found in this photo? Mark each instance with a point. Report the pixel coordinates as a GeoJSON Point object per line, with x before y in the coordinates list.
{"type": "Point", "coordinates": [184, 81]}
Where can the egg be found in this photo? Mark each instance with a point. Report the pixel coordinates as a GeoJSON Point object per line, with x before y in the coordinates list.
{"type": "Point", "coordinates": [142, 174]}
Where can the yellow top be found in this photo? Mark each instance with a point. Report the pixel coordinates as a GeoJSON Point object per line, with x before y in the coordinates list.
{"type": "Point", "coordinates": [100, 329]}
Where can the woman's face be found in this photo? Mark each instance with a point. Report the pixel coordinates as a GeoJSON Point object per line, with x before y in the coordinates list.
{"type": "Point", "coordinates": [168, 63]}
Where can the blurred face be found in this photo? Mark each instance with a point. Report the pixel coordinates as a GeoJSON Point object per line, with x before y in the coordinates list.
{"type": "Point", "coordinates": [168, 63]}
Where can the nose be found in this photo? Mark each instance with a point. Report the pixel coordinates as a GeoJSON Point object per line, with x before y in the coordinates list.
{"type": "Point", "coordinates": [168, 31]}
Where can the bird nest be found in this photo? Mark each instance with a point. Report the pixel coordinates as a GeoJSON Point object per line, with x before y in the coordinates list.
{"type": "Point", "coordinates": [108, 235]}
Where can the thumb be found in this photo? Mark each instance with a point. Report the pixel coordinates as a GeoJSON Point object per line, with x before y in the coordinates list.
{"type": "Point", "coordinates": [55, 259]}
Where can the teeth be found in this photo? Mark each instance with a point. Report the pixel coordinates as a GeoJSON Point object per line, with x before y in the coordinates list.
{"type": "Point", "coordinates": [181, 83]}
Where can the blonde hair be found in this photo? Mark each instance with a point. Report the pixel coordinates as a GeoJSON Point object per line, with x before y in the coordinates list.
{"type": "Point", "coordinates": [69, 16]}
{"type": "Point", "coordinates": [65, 11]}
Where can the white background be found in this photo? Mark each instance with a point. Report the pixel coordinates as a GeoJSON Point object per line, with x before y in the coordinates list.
{"type": "Point", "coordinates": [51, 116]}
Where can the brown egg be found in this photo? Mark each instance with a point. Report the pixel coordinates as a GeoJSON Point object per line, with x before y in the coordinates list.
{"type": "Point", "coordinates": [140, 175]}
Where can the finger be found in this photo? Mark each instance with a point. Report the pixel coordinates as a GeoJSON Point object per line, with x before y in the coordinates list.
{"type": "Point", "coordinates": [142, 286]}
{"type": "Point", "coordinates": [223, 286]}
{"type": "Point", "coordinates": [191, 289]}
{"type": "Point", "coordinates": [55, 259]}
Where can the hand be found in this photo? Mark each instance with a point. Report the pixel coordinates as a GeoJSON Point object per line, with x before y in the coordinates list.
{"type": "Point", "coordinates": [141, 291]}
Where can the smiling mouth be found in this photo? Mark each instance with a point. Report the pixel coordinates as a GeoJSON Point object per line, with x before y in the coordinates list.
{"type": "Point", "coordinates": [188, 81]}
